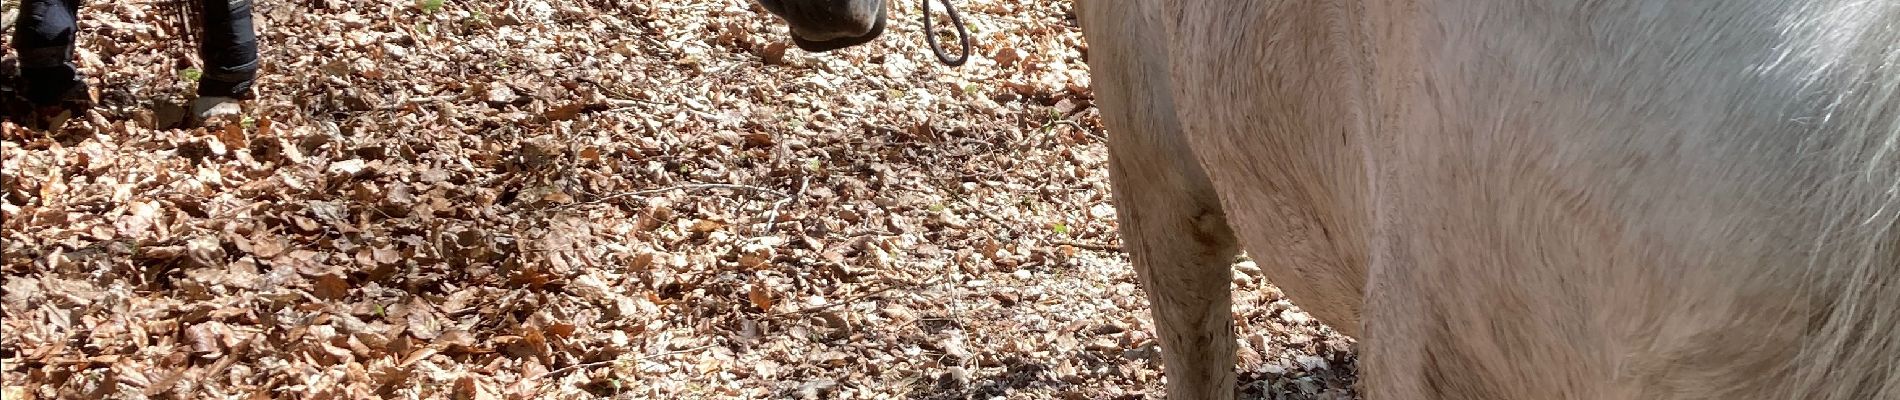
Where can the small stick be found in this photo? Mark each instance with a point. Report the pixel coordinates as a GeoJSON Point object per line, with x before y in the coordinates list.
{"type": "Point", "coordinates": [572, 368]}
{"type": "Point", "coordinates": [853, 299]}
{"type": "Point", "coordinates": [685, 187]}
{"type": "Point", "coordinates": [1089, 246]}
{"type": "Point", "coordinates": [771, 217]}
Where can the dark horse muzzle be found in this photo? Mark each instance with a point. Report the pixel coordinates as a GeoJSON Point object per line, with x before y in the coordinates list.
{"type": "Point", "coordinates": [825, 25]}
{"type": "Point", "coordinates": [843, 42]}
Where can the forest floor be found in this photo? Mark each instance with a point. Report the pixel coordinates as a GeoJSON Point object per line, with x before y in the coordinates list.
{"type": "Point", "coordinates": [626, 199]}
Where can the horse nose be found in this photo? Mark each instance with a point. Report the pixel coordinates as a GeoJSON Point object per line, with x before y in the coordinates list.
{"type": "Point", "coordinates": [828, 20]}
{"type": "Point", "coordinates": [834, 42]}
{"type": "Point", "coordinates": [830, 33]}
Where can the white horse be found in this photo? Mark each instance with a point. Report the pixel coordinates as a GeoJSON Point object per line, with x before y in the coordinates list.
{"type": "Point", "coordinates": [1510, 199]}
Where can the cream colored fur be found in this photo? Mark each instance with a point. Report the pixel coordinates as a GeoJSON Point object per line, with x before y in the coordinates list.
{"type": "Point", "coordinates": [1519, 199]}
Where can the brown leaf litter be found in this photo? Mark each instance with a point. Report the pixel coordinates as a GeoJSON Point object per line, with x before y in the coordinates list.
{"type": "Point", "coordinates": [627, 199]}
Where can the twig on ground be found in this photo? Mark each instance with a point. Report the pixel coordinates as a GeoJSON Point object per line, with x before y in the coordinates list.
{"type": "Point", "coordinates": [685, 187]}
{"type": "Point", "coordinates": [954, 195]}
{"type": "Point", "coordinates": [619, 100]}
{"type": "Point", "coordinates": [1089, 246]}
{"type": "Point", "coordinates": [571, 368]}
{"type": "Point", "coordinates": [854, 299]}
{"type": "Point", "coordinates": [230, 357]}
{"type": "Point", "coordinates": [1078, 127]}
{"type": "Point", "coordinates": [771, 217]}
{"type": "Point", "coordinates": [419, 100]}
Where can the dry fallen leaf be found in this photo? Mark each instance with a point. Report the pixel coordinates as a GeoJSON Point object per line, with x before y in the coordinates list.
{"type": "Point", "coordinates": [205, 251]}
{"type": "Point", "coordinates": [386, 255]}
{"type": "Point", "coordinates": [706, 225]}
{"type": "Point", "coordinates": [566, 112]}
{"type": "Point", "coordinates": [349, 167]}
{"type": "Point", "coordinates": [557, 197]}
{"type": "Point", "coordinates": [641, 261]}
{"type": "Point", "coordinates": [759, 139]}
{"type": "Point", "coordinates": [16, 392]}
{"type": "Point", "coordinates": [561, 330]}
{"type": "Point", "coordinates": [206, 337]}
{"type": "Point", "coordinates": [138, 219]}
{"type": "Point", "coordinates": [330, 287]}
{"type": "Point", "coordinates": [456, 339]}
{"type": "Point", "coordinates": [756, 255]}
{"type": "Point", "coordinates": [761, 297]}
{"type": "Point", "coordinates": [233, 135]}
{"type": "Point", "coordinates": [499, 93]}
{"type": "Point", "coordinates": [265, 245]}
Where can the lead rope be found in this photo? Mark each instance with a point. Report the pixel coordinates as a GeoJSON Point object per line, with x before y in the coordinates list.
{"type": "Point", "coordinates": [963, 35]}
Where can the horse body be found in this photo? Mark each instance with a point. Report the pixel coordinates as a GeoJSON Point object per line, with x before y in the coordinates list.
{"type": "Point", "coordinates": [1511, 199]}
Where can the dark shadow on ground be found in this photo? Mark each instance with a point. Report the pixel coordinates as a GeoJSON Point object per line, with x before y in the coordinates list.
{"type": "Point", "coordinates": [1019, 374]}
{"type": "Point", "coordinates": [1334, 379]}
